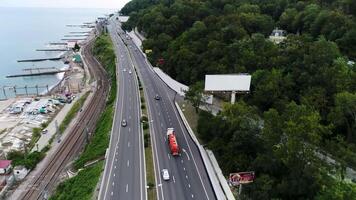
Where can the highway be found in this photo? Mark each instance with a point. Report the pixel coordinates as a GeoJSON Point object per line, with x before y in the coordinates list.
{"type": "Point", "coordinates": [124, 174]}
{"type": "Point", "coordinates": [189, 179]}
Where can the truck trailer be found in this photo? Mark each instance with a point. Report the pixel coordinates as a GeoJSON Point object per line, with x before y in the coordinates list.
{"type": "Point", "coordinates": [172, 142]}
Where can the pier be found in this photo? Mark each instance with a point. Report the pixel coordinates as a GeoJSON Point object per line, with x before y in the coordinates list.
{"type": "Point", "coordinates": [73, 39]}
{"type": "Point", "coordinates": [57, 43]}
{"type": "Point", "coordinates": [26, 90]}
{"type": "Point", "coordinates": [75, 32]}
{"type": "Point", "coordinates": [40, 59]}
{"type": "Point", "coordinates": [51, 49]}
{"type": "Point", "coordinates": [38, 72]}
{"type": "Point", "coordinates": [76, 35]}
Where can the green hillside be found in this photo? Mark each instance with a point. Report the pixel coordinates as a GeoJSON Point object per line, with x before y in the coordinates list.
{"type": "Point", "coordinates": [303, 92]}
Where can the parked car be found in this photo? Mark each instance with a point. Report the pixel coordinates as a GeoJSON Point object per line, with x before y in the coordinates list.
{"type": "Point", "coordinates": [44, 131]}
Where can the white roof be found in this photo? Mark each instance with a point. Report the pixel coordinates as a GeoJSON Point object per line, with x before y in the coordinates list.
{"type": "Point", "coordinates": [228, 82]}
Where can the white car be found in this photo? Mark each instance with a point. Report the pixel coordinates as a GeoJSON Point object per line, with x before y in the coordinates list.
{"type": "Point", "coordinates": [130, 72]}
{"type": "Point", "coordinates": [165, 174]}
{"type": "Point", "coordinates": [124, 70]}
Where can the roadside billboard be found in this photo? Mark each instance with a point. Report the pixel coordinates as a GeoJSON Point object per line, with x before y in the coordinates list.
{"type": "Point", "coordinates": [236, 179]}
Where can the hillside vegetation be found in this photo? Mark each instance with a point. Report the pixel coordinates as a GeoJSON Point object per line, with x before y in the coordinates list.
{"type": "Point", "coordinates": [303, 93]}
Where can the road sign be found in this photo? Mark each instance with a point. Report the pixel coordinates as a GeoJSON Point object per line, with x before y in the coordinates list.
{"type": "Point", "coordinates": [241, 178]}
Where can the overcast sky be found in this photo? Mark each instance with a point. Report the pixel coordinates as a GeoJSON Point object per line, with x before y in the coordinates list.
{"type": "Point", "coordinates": [112, 4]}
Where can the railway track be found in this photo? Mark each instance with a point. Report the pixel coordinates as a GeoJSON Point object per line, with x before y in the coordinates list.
{"type": "Point", "coordinates": [73, 143]}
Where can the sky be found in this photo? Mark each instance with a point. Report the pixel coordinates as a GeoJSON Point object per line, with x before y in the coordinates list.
{"type": "Point", "coordinates": [112, 4]}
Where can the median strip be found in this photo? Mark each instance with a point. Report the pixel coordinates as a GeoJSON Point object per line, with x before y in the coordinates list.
{"type": "Point", "coordinates": [150, 175]}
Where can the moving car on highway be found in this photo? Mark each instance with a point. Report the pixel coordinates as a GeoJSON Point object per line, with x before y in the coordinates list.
{"type": "Point", "coordinates": [157, 97]}
{"type": "Point", "coordinates": [123, 123]}
{"type": "Point", "coordinates": [165, 174]}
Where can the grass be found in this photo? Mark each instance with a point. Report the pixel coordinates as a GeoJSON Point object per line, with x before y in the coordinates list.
{"type": "Point", "coordinates": [190, 114]}
{"type": "Point", "coordinates": [83, 185]}
{"type": "Point", "coordinates": [100, 141]}
{"type": "Point", "coordinates": [80, 186]}
{"type": "Point", "coordinates": [29, 160]}
{"type": "Point", "coordinates": [72, 112]}
{"type": "Point", "coordinates": [36, 134]}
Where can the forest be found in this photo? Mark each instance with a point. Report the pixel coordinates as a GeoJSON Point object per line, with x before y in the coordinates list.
{"type": "Point", "coordinates": [302, 103]}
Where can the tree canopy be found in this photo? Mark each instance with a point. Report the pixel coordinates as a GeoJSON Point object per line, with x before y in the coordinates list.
{"type": "Point", "coordinates": [303, 93]}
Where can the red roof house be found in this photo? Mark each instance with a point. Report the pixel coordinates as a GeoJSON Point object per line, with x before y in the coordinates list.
{"type": "Point", "coordinates": [5, 166]}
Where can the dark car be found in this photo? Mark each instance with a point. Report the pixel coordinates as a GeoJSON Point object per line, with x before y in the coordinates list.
{"type": "Point", "coordinates": [157, 97]}
{"type": "Point", "coordinates": [123, 123]}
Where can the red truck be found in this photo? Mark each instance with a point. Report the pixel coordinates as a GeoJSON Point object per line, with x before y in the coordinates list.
{"type": "Point", "coordinates": [172, 142]}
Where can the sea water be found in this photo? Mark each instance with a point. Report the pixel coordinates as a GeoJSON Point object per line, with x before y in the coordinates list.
{"type": "Point", "coordinates": [23, 30]}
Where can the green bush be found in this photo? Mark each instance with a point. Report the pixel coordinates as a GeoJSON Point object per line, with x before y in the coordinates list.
{"type": "Point", "coordinates": [72, 113]}
{"type": "Point", "coordinates": [81, 186]}
{"type": "Point", "coordinates": [144, 118]}
{"type": "Point", "coordinates": [44, 125]}
{"type": "Point", "coordinates": [143, 106]}
{"type": "Point", "coordinates": [145, 125]}
{"type": "Point", "coordinates": [29, 160]}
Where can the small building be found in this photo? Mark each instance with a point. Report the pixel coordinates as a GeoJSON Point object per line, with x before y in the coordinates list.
{"type": "Point", "coordinates": [20, 172]}
{"type": "Point", "coordinates": [277, 35]}
{"type": "Point", "coordinates": [77, 58]}
{"type": "Point", "coordinates": [5, 166]}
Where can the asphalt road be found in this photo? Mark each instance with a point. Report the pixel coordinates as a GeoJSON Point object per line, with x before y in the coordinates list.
{"type": "Point", "coordinates": [189, 179]}
{"type": "Point", "coordinates": [124, 175]}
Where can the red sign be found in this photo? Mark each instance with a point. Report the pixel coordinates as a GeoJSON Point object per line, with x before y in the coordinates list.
{"type": "Point", "coordinates": [241, 178]}
{"type": "Point", "coordinates": [160, 61]}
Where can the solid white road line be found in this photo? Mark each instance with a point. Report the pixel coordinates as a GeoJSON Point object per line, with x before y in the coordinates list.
{"type": "Point", "coordinates": [127, 187]}
{"type": "Point", "coordinates": [128, 163]}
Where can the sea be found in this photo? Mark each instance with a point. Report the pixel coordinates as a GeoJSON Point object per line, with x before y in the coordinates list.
{"type": "Point", "coordinates": [23, 30]}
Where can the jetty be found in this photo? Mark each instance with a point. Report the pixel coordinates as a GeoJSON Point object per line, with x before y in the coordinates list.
{"type": "Point", "coordinates": [40, 59]}
{"type": "Point", "coordinates": [51, 49]}
{"type": "Point", "coordinates": [38, 71]}
{"type": "Point", "coordinates": [73, 39]}
{"type": "Point", "coordinates": [57, 43]}
{"type": "Point", "coordinates": [76, 35]}
{"type": "Point", "coordinates": [75, 32]}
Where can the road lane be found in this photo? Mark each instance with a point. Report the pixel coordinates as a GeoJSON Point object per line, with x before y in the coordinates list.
{"type": "Point", "coordinates": [124, 176]}
{"type": "Point", "coordinates": [191, 179]}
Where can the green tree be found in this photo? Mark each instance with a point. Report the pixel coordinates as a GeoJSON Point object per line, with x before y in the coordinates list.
{"type": "Point", "coordinates": [76, 47]}
{"type": "Point", "coordinates": [195, 95]}
{"type": "Point", "coordinates": [294, 136]}
{"type": "Point", "coordinates": [344, 114]}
